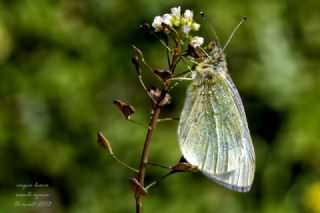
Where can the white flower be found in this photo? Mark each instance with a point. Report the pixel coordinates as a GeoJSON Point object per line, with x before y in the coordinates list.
{"type": "Point", "coordinates": [176, 21]}
{"type": "Point", "coordinates": [187, 18]}
{"type": "Point", "coordinates": [166, 19]}
{"type": "Point", "coordinates": [157, 24]}
{"type": "Point", "coordinates": [175, 12]}
{"type": "Point", "coordinates": [195, 26]}
{"type": "Point", "coordinates": [188, 14]}
{"type": "Point", "coordinates": [186, 29]}
{"type": "Point", "coordinates": [196, 41]}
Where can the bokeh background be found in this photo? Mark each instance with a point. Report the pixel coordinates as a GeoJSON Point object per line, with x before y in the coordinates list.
{"type": "Point", "coordinates": [62, 63]}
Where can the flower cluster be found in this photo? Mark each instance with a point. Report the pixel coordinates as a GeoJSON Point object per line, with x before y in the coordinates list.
{"type": "Point", "coordinates": [181, 24]}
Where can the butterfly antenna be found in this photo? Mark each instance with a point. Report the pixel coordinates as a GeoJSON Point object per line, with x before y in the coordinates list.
{"type": "Point", "coordinates": [235, 29]}
{"type": "Point", "coordinates": [206, 54]}
{"type": "Point", "coordinates": [211, 28]}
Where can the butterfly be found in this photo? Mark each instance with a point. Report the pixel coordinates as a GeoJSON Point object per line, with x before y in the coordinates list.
{"type": "Point", "coordinates": [213, 131]}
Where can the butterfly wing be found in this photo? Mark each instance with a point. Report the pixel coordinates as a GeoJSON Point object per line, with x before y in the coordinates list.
{"type": "Point", "coordinates": [214, 135]}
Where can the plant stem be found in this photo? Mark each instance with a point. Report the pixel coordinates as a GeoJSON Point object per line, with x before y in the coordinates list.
{"type": "Point", "coordinates": [153, 123]}
{"type": "Point", "coordinates": [144, 158]}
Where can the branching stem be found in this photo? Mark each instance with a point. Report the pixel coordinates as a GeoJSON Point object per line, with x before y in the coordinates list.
{"type": "Point", "coordinates": [152, 125]}
{"type": "Point", "coordinates": [144, 158]}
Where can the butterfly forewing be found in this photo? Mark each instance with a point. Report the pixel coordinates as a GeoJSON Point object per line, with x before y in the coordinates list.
{"type": "Point", "coordinates": [213, 132]}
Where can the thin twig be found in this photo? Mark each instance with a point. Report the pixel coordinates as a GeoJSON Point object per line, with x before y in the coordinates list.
{"type": "Point", "coordinates": [145, 63]}
{"type": "Point", "coordinates": [181, 78]}
{"type": "Point", "coordinates": [137, 122]}
{"type": "Point", "coordinates": [167, 119]}
{"type": "Point", "coordinates": [183, 73]}
{"type": "Point", "coordinates": [158, 165]}
{"type": "Point", "coordinates": [167, 51]}
{"type": "Point", "coordinates": [123, 163]}
{"type": "Point", "coordinates": [145, 89]}
{"type": "Point", "coordinates": [105, 144]}
{"type": "Point", "coordinates": [160, 179]}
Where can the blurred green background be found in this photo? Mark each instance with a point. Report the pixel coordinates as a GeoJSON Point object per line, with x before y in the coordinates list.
{"type": "Point", "coordinates": [62, 63]}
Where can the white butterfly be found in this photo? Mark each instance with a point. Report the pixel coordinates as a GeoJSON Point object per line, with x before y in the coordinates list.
{"type": "Point", "coordinates": [213, 130]}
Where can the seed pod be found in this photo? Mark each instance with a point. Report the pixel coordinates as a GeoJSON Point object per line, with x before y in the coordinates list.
{"type": "Point", "coordinates": [137, 188]}
{"type": "Point", "coordinates": [138, 51]}
{"type": "Point", "coordinates": [154, 92]}
{"type": "Point", "coordinates": [184, 167]}
{"type": "Point", "coordinates": [126, 109]}
{"type": "Point", "coordinates": [165, 100]}
{"type": "Point", "coordinates": [103, 141]}
{"type": "Point", "coordinates": [193, 52]}
{"type": "Point", "coordinates": [144, 28]}
{"type": "Point", "coordinates": [135, 61]}
{"type": "Point", "coordinates": [163, 74]}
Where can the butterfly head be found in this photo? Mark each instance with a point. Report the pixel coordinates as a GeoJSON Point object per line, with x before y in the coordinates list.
{"type": "Point", "coordinates": [212, 65]}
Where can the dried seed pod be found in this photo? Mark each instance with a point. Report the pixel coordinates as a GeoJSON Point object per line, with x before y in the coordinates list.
{"type": "Point", "coordinates": [154, 92]}
{"type": "Point", "coordinates": [135, 61]}
{"type": "Point", "coordinates": [191, 49]}
{"type": "Point", "coordinates": [165, 100]}
{"type": "Point", "coordinates": [163, 74]}
{"type": "Point", "coordinates": [137, 188]}
{"type": "Point", "coordinates": [184, 167]}
{"type": "Point", "coordinates": [166, 28]}
{"type": "Point", "coordinates": [138, 51]}
{"type": "Point", "coordinates": [156, 95]}
{"type": "Point", "coordinates": [193, 52]}
{"type": "Point", "coordinates": [144, 28]}
{"type": "Point", "coordinates": [103, 141]}
{"type": "Point", "coordinates": [126, 109]}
